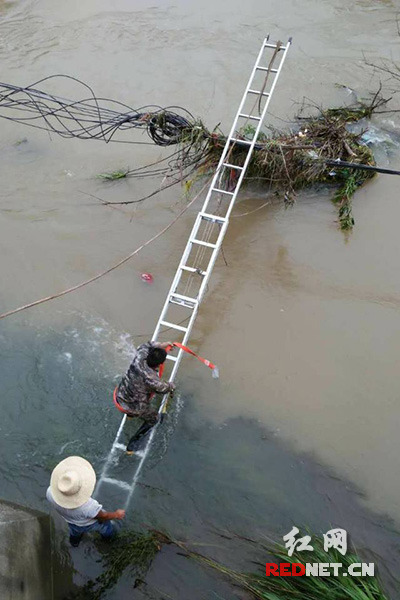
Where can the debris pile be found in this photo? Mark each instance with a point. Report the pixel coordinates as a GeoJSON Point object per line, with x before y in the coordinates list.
{"type": "Point", "coordinates": [283, 162]}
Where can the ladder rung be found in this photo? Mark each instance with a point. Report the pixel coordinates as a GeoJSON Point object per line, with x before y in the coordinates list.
{"type": "Point", "coordinates": [274, 46]}
{"type": "Point", "coordinates": [185, 298]}
{"type": "Point", "coordinates": [193, 270]}
{"type": "Point", "coordinates": [222, 191]}
{"type": "Point", "coordinates": [241, 141]}
{"type": "Point", "coordinates": [173, 326]}
{"type": "Point", "coordinates": [182, 303]}
{"type": "Point", "coordinates": [232, 166]}
{"type": "Point", "coordinates": [250, 117]}
{"type": "Point", "coordinates": [201, 243]}
{"type": "Point", "coordinates": [121, 484]}
{"type": "Point", "coordinates": [266, 69]}
{"type": "Point", "coordinates": [208, 217]}
{"type": "Point", "coordinates": [258, 92]}
{"type": "Point", "coordinates": [170, 357]}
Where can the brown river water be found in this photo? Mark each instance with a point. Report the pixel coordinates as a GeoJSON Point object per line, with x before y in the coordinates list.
{"type": "Point", "coordinates": [303, 322]}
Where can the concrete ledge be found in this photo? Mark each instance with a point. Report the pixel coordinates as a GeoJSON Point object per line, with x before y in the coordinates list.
{"type": "Point", "coordinates": [25, 554]}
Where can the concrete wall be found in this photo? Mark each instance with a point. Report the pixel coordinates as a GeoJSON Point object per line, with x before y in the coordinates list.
{"type": "Point", "coordinates": [25, 554]}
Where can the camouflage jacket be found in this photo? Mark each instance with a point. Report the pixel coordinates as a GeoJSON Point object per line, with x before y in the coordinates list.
{"type": "Point", "coordinates": [141, 381]}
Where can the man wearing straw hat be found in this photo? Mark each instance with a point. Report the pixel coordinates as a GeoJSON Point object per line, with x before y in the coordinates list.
{"type": "Point", "coordinates": [71, 486]}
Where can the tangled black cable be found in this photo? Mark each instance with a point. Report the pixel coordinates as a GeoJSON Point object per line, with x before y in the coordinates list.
{"type": "Point", "coordinates": [97, 118]}
{"type": "Point", "coordinates": [91, 117]}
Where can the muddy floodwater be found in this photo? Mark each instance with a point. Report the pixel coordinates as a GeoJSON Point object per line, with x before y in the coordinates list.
{"type": "Point", "coordinates": [304, 323]}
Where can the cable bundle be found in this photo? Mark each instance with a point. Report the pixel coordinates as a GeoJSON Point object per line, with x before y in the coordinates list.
{"type": "Point", "coordinates": [91, 117]}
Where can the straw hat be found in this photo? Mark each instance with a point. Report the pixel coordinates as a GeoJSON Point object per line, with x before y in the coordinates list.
{"type": "Point", "coordinates": [72, 482]}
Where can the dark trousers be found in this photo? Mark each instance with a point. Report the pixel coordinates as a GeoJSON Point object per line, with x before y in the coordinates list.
{"type": "Point", "coordinates": [143, 410]}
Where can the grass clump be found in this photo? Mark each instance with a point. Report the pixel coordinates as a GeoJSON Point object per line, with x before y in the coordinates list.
{"type": "Point", "coordinates": [272, 587]}
{"type": "Point", "coordinates": [135, 551]}
{"type": "Point", "coordinates": [114, 175]}
{"type": "Point", "coordinates": [130, 550]}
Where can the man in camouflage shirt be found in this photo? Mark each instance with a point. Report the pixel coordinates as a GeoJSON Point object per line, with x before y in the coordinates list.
{"type": "Point", "coordinates": [140, 383]}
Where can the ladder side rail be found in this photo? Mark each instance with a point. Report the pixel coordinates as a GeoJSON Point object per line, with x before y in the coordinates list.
{"type": "Point", "coordinates": [245, 165]}
{"type": "Point", "coordinates": [179, 357]}
{"type": "Point", "coordinates": [216, 175]}
{"type": "Point", "coordinates": [212, 262]}
{"type": "Point", "coordinates": [253, 72]}
{"type": "Point", "coordinates": [184, 342]}
{"type": "Point", "coordinates": [177, 276]}
{"type": "Point", "coordinates": [234, 127]}
{"type": "Point", "coordinates": [110, 457]}
{"type": "Point", "coordinates": [196, 225]}
{"type": "Point", "coordinates": [232, 130]}
{"type": "Point", "coordinates": [257, 131]}
{"type": "Point", "coordinates": [193, 316]}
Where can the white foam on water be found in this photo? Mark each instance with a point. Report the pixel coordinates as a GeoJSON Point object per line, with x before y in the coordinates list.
{"type": "Point", "coordinates": [69, 444]}
{"type": "Point", "coordinates": [170, 426]}
{"type": "Point", "coordinates": [125, 346]}
{"type": "Point", "coordinates": [102, 344]}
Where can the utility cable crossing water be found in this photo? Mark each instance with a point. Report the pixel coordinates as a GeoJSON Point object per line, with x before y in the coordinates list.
{"type": "Point", "coordinates": [205, 240]}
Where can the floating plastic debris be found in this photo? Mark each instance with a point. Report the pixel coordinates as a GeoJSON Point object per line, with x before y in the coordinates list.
{"type": "Point", "coordinates": [215, 372]}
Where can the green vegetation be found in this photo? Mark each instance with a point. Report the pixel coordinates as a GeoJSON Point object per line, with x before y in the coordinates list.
{"type": "Point", "coordinates": [262, 587]}
{"type": "Point", "coordinates": [113, 175]}
{"type": "Point", "coordinates": [289, 162]}
{"type": "Point", "coordinates": [130, 550]}
{"type": "Point", "coordinates": [135, 551]}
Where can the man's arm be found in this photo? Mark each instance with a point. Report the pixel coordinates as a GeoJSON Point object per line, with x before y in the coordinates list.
{"type": "Point", "coordinates": [103, 515]}
{"type": "Point", "coordinates": [157, 385]}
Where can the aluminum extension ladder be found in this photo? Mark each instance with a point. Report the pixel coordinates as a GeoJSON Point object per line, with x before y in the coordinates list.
{"type": "Point", "coordinates": [208, 232]}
